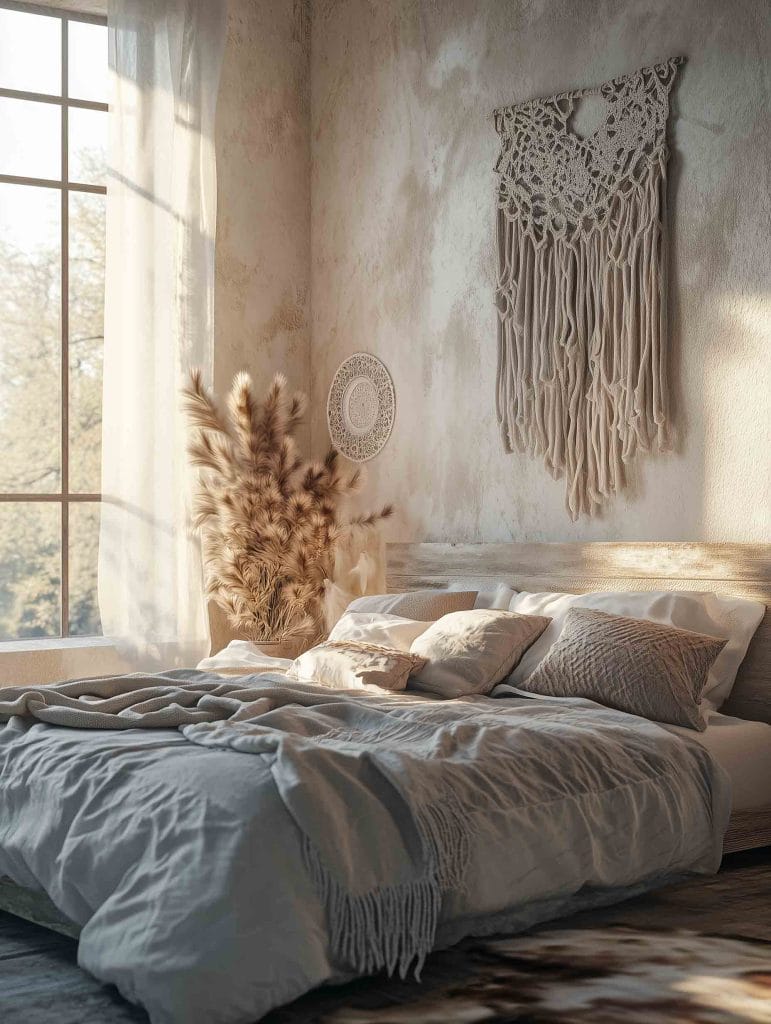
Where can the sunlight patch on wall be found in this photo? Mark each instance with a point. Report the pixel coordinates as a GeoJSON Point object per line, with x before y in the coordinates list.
{"type": "Point", "coordinates": [737, 390]}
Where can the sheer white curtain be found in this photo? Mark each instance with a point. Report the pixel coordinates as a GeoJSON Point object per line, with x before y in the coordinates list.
{"type": "Point", "coordinates": [165, 58]}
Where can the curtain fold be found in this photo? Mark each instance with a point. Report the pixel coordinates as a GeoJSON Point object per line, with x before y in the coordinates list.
{"type": "Point", "coordinates": [165, 59]}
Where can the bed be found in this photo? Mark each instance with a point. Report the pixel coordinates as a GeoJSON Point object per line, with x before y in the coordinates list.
{"type": "Point", "coordinates": [736, 738]}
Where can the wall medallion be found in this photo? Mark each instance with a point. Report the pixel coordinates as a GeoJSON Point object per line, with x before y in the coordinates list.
{"type": "Point", "coordinates": [361, 407]}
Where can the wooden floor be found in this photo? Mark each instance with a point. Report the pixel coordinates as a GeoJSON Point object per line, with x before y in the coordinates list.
{"type": "Point", "coordinates": [40, 981]}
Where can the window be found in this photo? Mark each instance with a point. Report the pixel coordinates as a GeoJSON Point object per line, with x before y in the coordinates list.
{"type": "Point", "coordinates": [53, 127]}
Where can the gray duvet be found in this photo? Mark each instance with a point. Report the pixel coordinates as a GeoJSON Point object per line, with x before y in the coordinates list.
{"type": "Point", "coordinates": [284, 835]}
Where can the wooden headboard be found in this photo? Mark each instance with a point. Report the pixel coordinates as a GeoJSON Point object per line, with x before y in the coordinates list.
{"type": "Point", "coordinates": [741, 570]}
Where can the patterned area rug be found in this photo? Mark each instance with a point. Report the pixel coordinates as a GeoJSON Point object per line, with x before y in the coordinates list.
{"type": "Point", "coordinates": [605, 973]}
{"type": "Point", "coordinates": [568, 977]}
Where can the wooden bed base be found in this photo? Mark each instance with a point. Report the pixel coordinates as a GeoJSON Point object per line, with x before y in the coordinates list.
{"type": "Point", "coordinates": [34, 906]}
{"type": "Point", "coordinates": [748, 830]}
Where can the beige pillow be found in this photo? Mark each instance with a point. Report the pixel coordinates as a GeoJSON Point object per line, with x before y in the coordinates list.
{"type": "Point", "coordinates": [647, 669]}
{"type": "Point", "coordinates": [378, 628]}
{"type": "Point", "coordinates": [426, 605]}
{"type": "Point", "coordinates": [470, 652]}
{"type": "Point", "coordinates": [498, 597]}
{"type": "Point", "coordinates": [348, 664]}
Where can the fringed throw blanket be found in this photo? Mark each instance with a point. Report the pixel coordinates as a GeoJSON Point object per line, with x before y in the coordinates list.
{"type": "Point", "coordinates": [581, 293]}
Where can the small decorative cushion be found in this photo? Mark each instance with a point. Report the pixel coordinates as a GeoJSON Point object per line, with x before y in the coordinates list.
{"type": "Point", "coordinates": [378, 628]}
{"type": "Point", "coordinates": [426, 605]}
{"type": "Point", "coordinates": [653, 671]}
{"type": "Point", "coordinates": [347, 664]}
{"type": "Point", "coordinates": [470, 652]}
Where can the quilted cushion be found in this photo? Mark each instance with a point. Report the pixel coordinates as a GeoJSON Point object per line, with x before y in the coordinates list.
{"type": "Point", "coordinates": [654, 671]}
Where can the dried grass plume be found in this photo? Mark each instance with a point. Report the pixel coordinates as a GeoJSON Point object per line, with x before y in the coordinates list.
{"type": "Point", "coordinates": [269, 519]}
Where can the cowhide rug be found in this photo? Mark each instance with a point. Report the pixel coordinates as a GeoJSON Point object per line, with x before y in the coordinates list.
{"type": "Point", "coordinates": [570, 977]}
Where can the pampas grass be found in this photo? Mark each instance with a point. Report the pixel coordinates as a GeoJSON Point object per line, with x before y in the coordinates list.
{"type": "Point", "coordinates": [269, 519]}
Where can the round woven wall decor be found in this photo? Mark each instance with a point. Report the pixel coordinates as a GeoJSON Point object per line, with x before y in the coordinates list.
{"type": "Point", "coordinates": [360, 407]}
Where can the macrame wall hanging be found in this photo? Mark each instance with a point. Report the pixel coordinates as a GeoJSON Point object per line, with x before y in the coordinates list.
{"type": "Point", "coordinates": [581, 294]}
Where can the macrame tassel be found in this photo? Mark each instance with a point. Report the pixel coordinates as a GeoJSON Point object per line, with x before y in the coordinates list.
{"type": "Point", "coordinates": [582, 379]}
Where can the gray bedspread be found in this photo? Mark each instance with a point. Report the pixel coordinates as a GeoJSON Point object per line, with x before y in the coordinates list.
{"type": "Point", "coordinates": [362, 829]}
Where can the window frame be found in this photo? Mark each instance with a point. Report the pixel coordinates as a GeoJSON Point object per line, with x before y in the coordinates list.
{"type": "Point", "coordinates": [64, 497]}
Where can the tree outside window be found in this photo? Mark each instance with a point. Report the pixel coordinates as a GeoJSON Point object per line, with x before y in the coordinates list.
{"type": "Point", "coordinates": [53, 114]}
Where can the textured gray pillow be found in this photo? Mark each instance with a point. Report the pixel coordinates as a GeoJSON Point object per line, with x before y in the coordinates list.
{"type": "Point", "coordinates": [654, 671]}
{"type": "Point", "coordinates": [423, 605]}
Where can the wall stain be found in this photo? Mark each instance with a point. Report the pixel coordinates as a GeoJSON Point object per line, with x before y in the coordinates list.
{"type": "Point", "coordinates": [288, 317]}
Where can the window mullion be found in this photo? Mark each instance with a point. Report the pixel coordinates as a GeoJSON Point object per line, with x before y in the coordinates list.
{"type": "Point", "coordinates": [65, 339]}
{"type": "Point", "coordinates": [44, 97]}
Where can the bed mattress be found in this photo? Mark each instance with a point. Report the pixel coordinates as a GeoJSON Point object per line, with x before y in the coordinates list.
{"type": "Point", "coordinates": [743, 750]}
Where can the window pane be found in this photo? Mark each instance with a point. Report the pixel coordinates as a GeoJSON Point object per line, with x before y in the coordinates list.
{"type": "Point", "coordinates": [84, 549]}
{"type": "Point", "coordinates": [88, 145]}
{"type": "Point", "coordinates": [30, 569]}
{"type": "Point", "coordinates": [30, 134]}
{"type": "Point", "coordinates": [30, 52]}
{"type": "Point", "coordinates": [87, 61]}
{"type": "Point", "coordinates": [30, 345]}
{"type": "Point", "coordinates": [86, 339]}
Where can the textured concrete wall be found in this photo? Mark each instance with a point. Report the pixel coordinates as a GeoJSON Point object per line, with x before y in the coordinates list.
{"type": "Point", "coordinates": [403, 148]}
{"type": "Point", "coordinates": [262, 290]}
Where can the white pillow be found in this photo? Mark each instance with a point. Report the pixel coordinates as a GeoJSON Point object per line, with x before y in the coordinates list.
{"type": "Point", "coordinates": [242, 658]}
{"type": "Point", "coordinates": [731, 618]}
{"type": "Point", "coordinates": [486, 598]}
{"type": "Point", "coordinates": [470, 652]}
{"type": "Point", "coordinates": [379, 628]}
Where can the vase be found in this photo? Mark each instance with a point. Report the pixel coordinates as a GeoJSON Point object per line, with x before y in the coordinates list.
{"type": "Point", "coordinates": [290, 648]}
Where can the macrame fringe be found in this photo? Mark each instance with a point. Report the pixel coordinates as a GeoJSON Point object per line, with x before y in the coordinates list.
{"type": "Point", "coordinates": [390, 928]}
{"type": "Point", "coordinates": [582, 375]}
{"type": "Point", "coordinates": [393, 927]}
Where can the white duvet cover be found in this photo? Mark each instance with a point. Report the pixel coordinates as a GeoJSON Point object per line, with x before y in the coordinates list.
{"type": "Point", "coordinates": [185, 857]}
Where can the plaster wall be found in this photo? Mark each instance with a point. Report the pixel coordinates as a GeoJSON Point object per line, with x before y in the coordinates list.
{"type": "Point", "coordinates": [262, 258]}
{"type": "Point", "coordinates": [262, 270]}
{"type": "Point", "coordinates": [403, 148]}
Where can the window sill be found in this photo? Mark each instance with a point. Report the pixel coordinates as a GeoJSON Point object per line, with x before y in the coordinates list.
{"type": "Point", "coordinates": [52, 660]}
{"type": "Point", "coordinates": [58, 643]}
